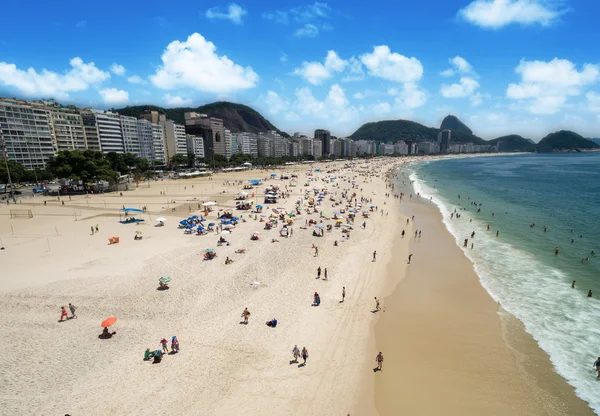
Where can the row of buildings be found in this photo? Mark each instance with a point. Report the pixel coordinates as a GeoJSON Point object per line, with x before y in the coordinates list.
{"type": "Point", "coordinates": [31, 132]}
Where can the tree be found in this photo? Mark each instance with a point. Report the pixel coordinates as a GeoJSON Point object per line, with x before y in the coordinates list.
{"type": "Point", "coordinates": [191, 159]}
{"type": "Point", "coordinates": [18, 172]}
{"type": "Point", "coordinates": [85, 166]}
{"type": "Point", "coordinates": [117, 162]}
{"type": "Point", "coordinates": [178, 160]}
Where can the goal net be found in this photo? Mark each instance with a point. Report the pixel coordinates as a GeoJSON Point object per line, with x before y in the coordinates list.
{"type": "Point", "coordinates": [21, 213]}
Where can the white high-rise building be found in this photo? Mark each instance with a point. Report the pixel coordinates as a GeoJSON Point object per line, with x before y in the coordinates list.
{"type": "Point", "coordinates": [159, 153]}
{"type": "Point", "coordinates": [90, 129]}
{"type": "Point", "coordinates": [247, 143]}
{"type": "Point", "coordinates": [265, 145]}
{"type": "Point", "coordinates": [317, 148]}
{"type": "Point", "coordinates": [175, 138]}
{"type": "Point", "coordinates": [131, 139]}
{"type": "Point", "coordinates": [26, 133]}
{"type": "Point", "coordinates": [195, 145]}
{"type": "Point", "coordinates": [68, 129]}
{"type": "Point", "coordinates": [228, 144]}
{"type": "Point", "coordinates": [109, 131]}
{"type": "Point", "coordinates": [145, 134]}
{"type": "Point", "coordinates": [306, 146]}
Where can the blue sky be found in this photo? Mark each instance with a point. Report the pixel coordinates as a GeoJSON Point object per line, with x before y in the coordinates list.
{"type": "Point", "coordinates": [502, 66]}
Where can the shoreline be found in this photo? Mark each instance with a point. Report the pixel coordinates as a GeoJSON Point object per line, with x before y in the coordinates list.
{"type": "Point", "coordinates": [449, 339]}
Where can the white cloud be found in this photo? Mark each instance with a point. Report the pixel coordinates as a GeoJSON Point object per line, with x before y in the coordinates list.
{"type": "Point", "coordinates": [593, 101]}
{"type": "Point", "coordinates": [381, 108]}
{"type": "Point", "coordinates": [117, 69]}
{"type": "Point", "coordinates": [355, 71]}
{"type": "Point", "coordinates": [460, 65]}
{"type": "Point", "coordinates": [392, 66]}
{"type": "Point", "coordinates": [307, 31]}
{"type": "Point", "coordinates": [283, 58]}
{"type": "Point", "coordinates": [176, 101]}
{"type": "Point", "coordinates": [467, 85]}
{"type": "Point", "coordinates": [51, 84]}
{"type": "Point", "coordinates": [464, 88]}
{"type": "Point", "coordinates": [359, 96]}
{"type": "Point", "coordinates": [194, 64]}
{"type": "Point", "coordinates": [313, 18]}
{"type": "Point", "coordinates": [234, 13]}
{"type": "Point", "coordinates": [136, 79]}
{"type": "Point", "coordinates": [546, 86]}
{"type": "Point", "coordinates": [498, 13]}
{"type": "Point", "coordinates": [113, 96]}
{"type": "Point", "coordinates": [316, 72]}
{"type": "Point", "coordinates": [275, 103]}
{"type": "Point", "coordinates": [411, 96]}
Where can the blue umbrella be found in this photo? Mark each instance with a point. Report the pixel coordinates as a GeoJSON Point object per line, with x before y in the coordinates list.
{"type": "Point", "coordinates": [319, 226]}
{"type": "Point", "coordinates": [372, 206]}
{"type": "Point", "coordinates": [273, 174]}
{"type": "Point", "coordinates": [352, 211]}
{"type": "Point", "coordinates": [202, 219]}
{"type": "Point", "coordinates": [259, 206]}
{"type": "Point", "coordinates": [336, 212]}
{"type": "Point", "coordinates": [212, 224]}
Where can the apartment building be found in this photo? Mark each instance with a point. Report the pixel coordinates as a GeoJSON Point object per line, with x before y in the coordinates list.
{"type": "Point", "coordinates": [67, 126]}
{"type": "Point", "coordinates": [109, 131]}
{"type": "Point", "coordinates": [195, 145]}
{"type": "Point", "coordinates": [26, 133]}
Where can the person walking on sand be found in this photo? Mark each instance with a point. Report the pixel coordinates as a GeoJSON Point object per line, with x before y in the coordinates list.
{"type": "Point", "coordinates": [304, 355]}
{"type": "Point", "coordinates": [316, 252]}
{"type": "Point", "coordinates": [316, 299]}
{"type": "Point", "coordinates": [409, 258]}
{"type": "Point", "coordinates": [174, 344]}
{"type": "Point", "coordinates": [245, 315]}
{"type": "Point", "coordinates": [343, 293]}
{"type": "Point", "coordinates": [375, 256]}
{"type": "Point", "coordinates": [72, 308]}
{"type": "Point", "coordinates": [379, 360]}
{"type": "Point", "coordinates": [97, 230]}
{"type": "Point", "coordinates": [319, 272]}
{"type": "Point", "coordinates": [377, 307]}
{"type": "Point", "coordinates": [92, 228]}
{"type": "Point", "coordinates": [325, 274]}
{"type": "Point", "coordinates": [63, 313]}
{"type": "Point", "coordinates": [295, 353]}
{"type": "Point", "coordinates": [163, 343]}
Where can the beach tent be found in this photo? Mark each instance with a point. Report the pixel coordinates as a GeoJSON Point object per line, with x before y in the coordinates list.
{"type": "Point", "coordinates": [132, 210]}
{"type": "Point", "coordinates": [209, 204]}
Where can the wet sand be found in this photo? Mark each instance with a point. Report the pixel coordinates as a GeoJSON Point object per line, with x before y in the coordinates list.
{"type": "Point", "coordinates": [449, 348]}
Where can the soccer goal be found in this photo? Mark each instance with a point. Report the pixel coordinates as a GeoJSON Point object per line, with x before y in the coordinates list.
{"type": "Point", "coordinates": [21, 213]}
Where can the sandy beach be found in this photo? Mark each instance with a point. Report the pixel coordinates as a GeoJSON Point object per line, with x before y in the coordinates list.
{"type": "Point", "coordinates": [224, 367]}
{"type": "Point", "coordinates": [447, 346]}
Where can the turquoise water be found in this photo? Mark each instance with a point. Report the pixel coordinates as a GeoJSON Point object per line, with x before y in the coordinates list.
{"type": "Point", "coordinates": [518, 268]}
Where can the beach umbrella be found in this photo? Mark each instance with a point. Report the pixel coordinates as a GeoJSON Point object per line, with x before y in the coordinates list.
{"type": "Point", "coordinates": [273, 175]}
{"type": "Point", "coordinates": [225, 232]}
{"type": "Point", "coordinates": [212, 224]}
{"type": "Point", "coordinates": [319, 226]}
{"type": "Point", "coordinates": [338, 221]}
{"type": "Point", "coordinates": [193, 217]}
{"type": "Point", "coordinates": [161, 219]}
{"type": "Point", "coordinates": [209, 250]}
{"type": "Point", "coordinates": [108, 322]}
{"type": "Point", "coordinates": [242, 193]}
{"type": "Point", "coordinates": [372, 206]}
{"type": "Point", "coordinates": [336, 212]}
{"type": "Point", "coordinates": [352, 211]}
{"type": "Point", "coordinates": [132, 209]}
{"type": "Point", "coordinates": [259, 206]}
{"type": "Point", "coordinates": [256, 232]}
{"type": "Point", "coordinates": [209, 204]}
{"type": "Point", "coordinates": [164, 279]}
{"type": "Point", "coordinates": [139, 232]}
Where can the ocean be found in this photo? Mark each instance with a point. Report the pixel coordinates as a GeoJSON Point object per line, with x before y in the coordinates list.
{"type": "Point", "coordinates": [518, 267]}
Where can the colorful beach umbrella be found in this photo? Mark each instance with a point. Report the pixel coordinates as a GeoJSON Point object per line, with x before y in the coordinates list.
{"type": "Point", "coordinates": [164, 279]}
{"type": "Point", "coordinates": [108, 322]}
{"type": "Point", "coordinates": [209, 250]}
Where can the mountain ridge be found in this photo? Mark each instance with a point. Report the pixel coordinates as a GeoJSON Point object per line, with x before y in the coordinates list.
{"type": "Point", "coordinates": [236, 117]}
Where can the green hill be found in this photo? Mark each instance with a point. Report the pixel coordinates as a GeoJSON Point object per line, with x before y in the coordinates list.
{"type": "Point", "coordinates": [453, 123]}
{"type": "Point", "coordinates": [394, 130]}
{"type": "Point", "coordinates": [236, 117]}
{"type": "Point", "coordinates": [565, 141]}
{"type": "Point", "coordinates": [514, 143]}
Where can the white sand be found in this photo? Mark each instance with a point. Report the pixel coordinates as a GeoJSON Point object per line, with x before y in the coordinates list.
{"type": "Point", "coordinates": [224, 368]}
